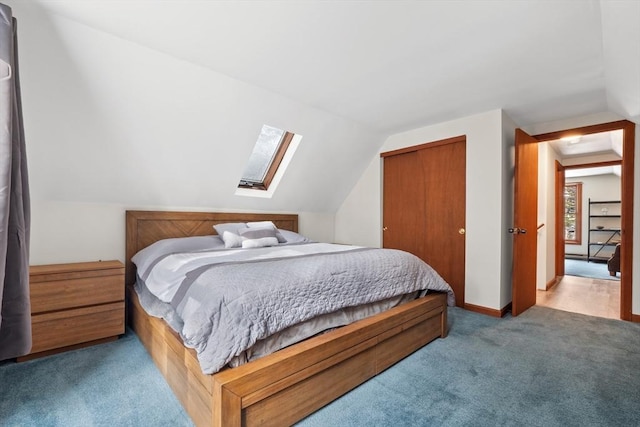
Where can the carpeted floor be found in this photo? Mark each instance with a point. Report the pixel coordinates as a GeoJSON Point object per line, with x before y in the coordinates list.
{"type": "Point", "coordinates": [114, 384]}
{"type": "Point", "coordinates": [543, 368]}
{"type": "Point", "coordinates": [582, 268]}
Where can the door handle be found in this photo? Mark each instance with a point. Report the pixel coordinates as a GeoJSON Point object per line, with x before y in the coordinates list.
{"type": "Point", "coordinates": [462, 231]}
{"type": "Point", "coordinates": [517, 230]}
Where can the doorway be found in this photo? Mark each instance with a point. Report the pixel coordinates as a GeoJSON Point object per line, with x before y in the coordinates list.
{"type": "Point", "coordinates": [626, 214]}
{"type": "Point", "coordinates": [592, 202]}
{"type": "Point", "coordinates": [590, 194]}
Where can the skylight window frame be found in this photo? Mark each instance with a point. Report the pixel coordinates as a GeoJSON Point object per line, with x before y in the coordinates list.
{"type": "Point", "coordinates": [276, 160]}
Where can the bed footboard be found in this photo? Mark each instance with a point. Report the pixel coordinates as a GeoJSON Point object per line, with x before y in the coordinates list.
{"type": "Point", "coordinates": [292, 383]}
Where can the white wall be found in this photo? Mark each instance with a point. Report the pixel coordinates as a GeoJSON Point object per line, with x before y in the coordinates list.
{"type": "Point", "coordinates": [112, 125]}
{"type": "Point", "coordinates": [77, 231]}
{"type": "Point", "coordinates": [546, 215]}
{"type": "Point", "coordinates": [508, 165]}
{"type": "Point", "coordinates": [359, 219]}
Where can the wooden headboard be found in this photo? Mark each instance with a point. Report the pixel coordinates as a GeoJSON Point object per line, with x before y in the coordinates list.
{"type": "Point", "coordinates": [147, 227]}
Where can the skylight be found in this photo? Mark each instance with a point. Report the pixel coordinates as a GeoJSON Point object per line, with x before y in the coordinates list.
{"type": "Point", "coordinates": [267, 155]}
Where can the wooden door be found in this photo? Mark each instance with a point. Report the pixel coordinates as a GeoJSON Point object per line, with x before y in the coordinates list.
{"type": "Point", "coordinates": [559, 216]}
{"type": "Point", "coordinates": [424, 193]}
{"type": "Point", "coordinates": [404, 202]}
{"type": "Point", "coordinates": [524, 230]}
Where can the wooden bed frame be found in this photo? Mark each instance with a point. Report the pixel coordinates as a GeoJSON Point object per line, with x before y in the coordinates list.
{"type": "Point", "coordinates": [286, 386]}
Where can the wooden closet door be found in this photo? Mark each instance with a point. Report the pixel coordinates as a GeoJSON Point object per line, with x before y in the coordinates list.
{"type": "Point", "coordinates": [444, 223]}
{"type": "Point", "coordinates": [403, 208]}
{"type": "Point", "coordinates": [424, 206]}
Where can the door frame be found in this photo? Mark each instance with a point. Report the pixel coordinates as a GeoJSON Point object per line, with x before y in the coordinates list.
{"type": "Point", "coordinates": [626, 193]}
{"type": "Point", "coordinates": [559, 216]}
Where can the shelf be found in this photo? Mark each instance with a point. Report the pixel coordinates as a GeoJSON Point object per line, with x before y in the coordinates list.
{"type": "Point", "coordinates": [602, 241]}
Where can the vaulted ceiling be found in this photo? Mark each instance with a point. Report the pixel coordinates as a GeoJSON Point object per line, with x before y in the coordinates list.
{"type": "Point", "coordinates": [397, 65]}
{"type": "Point", "coordinates": [159, 103]}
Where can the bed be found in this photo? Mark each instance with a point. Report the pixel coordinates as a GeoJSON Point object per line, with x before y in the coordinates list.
{"type": "Point", "coordinates": [286, 386]}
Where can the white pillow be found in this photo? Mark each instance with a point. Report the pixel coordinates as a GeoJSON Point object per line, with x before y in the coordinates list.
{"type": "Point", "coordinates": [231, 240]}
{"type": "Point", "coordinates": [259, 243]}
{"type": "Point", "coordinates": [268, 224]}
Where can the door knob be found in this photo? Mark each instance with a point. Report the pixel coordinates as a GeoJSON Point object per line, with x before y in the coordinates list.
{"type": "Point", "coordinates": [461, 231]}
{"type": "Point", "coordinates": [517, 230]}
{"type": "Point", "coordinates": [384, 228]}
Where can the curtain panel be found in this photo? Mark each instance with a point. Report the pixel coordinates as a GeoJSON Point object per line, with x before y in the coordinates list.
{"type": "Point", "coordinates": [15, 310]}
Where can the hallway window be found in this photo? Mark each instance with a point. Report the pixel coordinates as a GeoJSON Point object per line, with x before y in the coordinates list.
{"type": "Point", "coordinates": [573, 213]}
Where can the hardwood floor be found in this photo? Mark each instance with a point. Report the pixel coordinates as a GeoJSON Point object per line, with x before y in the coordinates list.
{"type": "Point", "coordinates": [595, 297]}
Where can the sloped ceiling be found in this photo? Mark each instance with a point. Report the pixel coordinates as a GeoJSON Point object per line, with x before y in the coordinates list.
{"type": "Point", "coordinates": [343, 74]}
{"type": "Point", "coordinates": [396, 65]}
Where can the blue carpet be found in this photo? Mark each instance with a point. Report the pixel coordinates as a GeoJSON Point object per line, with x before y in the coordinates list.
{"type": "Point", "coordinates": [594, 270]}
{"type": "Point", "coordinates": [113, 384]}
{"type": "Point", "coordinates": [543, 368]}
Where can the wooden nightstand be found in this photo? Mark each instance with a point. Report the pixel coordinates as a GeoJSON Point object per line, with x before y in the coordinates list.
{"type": "Point", "coordinates": [75, 305]}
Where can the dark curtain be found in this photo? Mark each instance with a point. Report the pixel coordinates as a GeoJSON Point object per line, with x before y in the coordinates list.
{"type": "Point", "coordinates": [15, 316]}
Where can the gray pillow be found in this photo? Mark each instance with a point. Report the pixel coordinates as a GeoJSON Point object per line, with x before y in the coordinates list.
{"type": "Point", "coordinates": [258, 237]}
{"type": "Point", "coordinates": [268, 224]}
{"type": "Point", "coordinates": [232, 227]}
{"type": "Point", "coordinates": [293, 237]}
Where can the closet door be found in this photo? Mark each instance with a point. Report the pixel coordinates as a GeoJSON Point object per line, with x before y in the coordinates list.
{"type": "Point", "coordinates": [404, 204]}
{"type": "Point", "coordinates": [424, 206]}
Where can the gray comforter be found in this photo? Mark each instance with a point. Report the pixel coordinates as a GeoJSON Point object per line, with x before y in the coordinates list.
{"type": "Point", "coordinates": [223, 302]}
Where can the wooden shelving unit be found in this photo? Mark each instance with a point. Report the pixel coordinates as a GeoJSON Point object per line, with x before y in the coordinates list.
{"type": "Point", "coordinates": [604, 229]}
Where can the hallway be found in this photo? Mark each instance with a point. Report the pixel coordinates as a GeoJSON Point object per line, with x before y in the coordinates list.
{"type": "Point", "coordinates": [594, 297]}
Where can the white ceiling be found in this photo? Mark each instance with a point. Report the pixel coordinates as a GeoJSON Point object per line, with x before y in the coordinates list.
{"type": "Point", "coordinates": [596, 143]}
{"type": "Point", "coordinates": [601, 170]}
{"type": "Point", "coordinates": [398, 65]}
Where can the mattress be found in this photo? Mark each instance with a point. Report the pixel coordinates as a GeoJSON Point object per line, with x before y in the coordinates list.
{"type": "Point", "coordinates": [236, 305]}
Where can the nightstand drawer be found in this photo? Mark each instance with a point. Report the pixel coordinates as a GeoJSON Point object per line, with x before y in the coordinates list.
{"type": "Point", "coordinates": [69, 327]}
{"type": "Point", "coordinates": [74, 305]}
{"type": "Point", "coordinates": [73, 293]}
